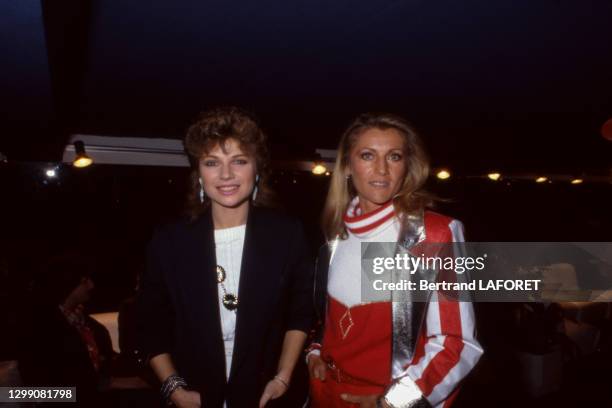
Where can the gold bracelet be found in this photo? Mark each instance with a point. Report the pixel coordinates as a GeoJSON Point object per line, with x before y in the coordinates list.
{"type": "Point", "coordinates": [285, 383]}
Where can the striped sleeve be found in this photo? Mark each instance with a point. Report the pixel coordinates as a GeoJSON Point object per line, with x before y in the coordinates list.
{"type": "Point", "coordinates": [451, 349]}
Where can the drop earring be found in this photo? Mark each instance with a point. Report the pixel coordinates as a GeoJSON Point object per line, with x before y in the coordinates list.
{"type": "Point", "coordinates": [255, 189]}
{"type": "Point", "coordinates": [201, 191]}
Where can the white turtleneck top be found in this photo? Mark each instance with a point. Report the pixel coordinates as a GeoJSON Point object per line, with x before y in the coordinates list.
{"type": "Point", "coordinates": [344, 279]}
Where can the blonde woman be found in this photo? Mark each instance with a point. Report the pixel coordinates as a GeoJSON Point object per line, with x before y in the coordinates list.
{"type": "Point", "coordinates": [384, 354]}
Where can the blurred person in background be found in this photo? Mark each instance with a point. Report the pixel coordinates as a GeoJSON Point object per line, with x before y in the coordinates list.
{"type": "Point", "coordinates": [62, 345]}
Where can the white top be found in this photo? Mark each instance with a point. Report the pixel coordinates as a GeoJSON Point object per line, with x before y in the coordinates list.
{"type": "Point", "coordinates": [229, 243]}
{"type": "Point", "coordinates": [344, 277]}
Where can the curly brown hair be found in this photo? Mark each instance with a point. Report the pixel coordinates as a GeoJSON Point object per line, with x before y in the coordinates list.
{"type": "Point", "coordinates": [213, 128]}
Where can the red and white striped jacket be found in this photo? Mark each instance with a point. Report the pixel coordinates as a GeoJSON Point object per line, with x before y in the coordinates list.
{"type": "Point", "coordinates": [445, 348]}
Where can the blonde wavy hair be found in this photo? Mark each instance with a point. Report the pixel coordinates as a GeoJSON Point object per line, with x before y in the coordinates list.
{"type": "Point", "coordinates": [410, 199]}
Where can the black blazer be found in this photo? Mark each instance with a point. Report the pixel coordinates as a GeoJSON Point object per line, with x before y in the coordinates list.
{"type": "Point", "coordinates": [178, 311]}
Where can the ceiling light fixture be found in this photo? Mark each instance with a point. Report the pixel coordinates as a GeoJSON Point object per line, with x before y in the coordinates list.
{"type": "Point", "coordinates": [81, 159]}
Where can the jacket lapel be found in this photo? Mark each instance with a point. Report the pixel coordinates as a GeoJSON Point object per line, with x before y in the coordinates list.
{"type": "Point", "coordinates": [407, 315]}
{"type": "Point", "coordinates": [255, 281]}
{"type": "Point", "coordinates": [201, 286]}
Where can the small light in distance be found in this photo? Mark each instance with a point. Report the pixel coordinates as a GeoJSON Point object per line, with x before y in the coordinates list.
{"type": "Point", "coordinates": [319, 169]}
{"type": "Point", "coordinates": [443, 174]}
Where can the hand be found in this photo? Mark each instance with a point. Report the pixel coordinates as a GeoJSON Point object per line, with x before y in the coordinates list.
{"type": "Point", "coordinates": [273, 390]}
{"type": "Point", "coordinates": [316, 367]}
{"type": "Point", "coordinates": [183, 398]}
{"type": "Point", "coordinates": [364, 401]}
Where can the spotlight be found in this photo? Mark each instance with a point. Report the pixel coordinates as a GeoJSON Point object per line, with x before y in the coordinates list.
{"type": "Point", "coordinates": [577, 181]}
{"type": "Point", "coordinates": [494, 176]}
{"type": "Point", "coordinates": [443, 174]}
{"type": "Point", "coordinates": [319, 169]}
{"type": "Point", "coordinates": [81, 159]}
{"type": "Point", "coordinates": [541, 179]}
{"type": "Point", "coordinates": [51, 173]}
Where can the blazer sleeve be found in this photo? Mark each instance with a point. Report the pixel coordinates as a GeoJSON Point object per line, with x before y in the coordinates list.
{"type": "Point", "coordinates": [154, 312]}
{"type": "Point", "coordinates": [300, 270]}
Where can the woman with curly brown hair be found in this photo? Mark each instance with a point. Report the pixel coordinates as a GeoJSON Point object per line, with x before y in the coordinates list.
{"type": "Point", "coordinates": [226, 301]}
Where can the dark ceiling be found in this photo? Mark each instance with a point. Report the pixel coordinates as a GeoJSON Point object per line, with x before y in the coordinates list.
{"type": "Point", "coordinates": [514, 84]}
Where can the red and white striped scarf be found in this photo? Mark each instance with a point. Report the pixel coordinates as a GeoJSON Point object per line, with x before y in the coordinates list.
{"type": "Point", "coordinates": [360, 224]}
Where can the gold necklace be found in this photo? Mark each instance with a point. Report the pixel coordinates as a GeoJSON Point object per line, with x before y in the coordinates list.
{"type": "Point", "coordinates": [230, 301]}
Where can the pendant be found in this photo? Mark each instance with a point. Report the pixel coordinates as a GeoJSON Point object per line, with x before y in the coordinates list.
{"type": "Point", "coordinates": [230, 301]}
{"type": "Point", "coordinates": [220, 274]}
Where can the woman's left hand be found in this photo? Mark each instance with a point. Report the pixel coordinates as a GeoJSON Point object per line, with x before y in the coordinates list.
{"type": "Point", "coordinates": [364, 401]}
{"type": "Point", "coordinates": [274, 389]}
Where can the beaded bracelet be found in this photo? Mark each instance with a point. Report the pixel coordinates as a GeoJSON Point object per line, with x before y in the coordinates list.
{"type": "Point", "coordinates": [170, 385]}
